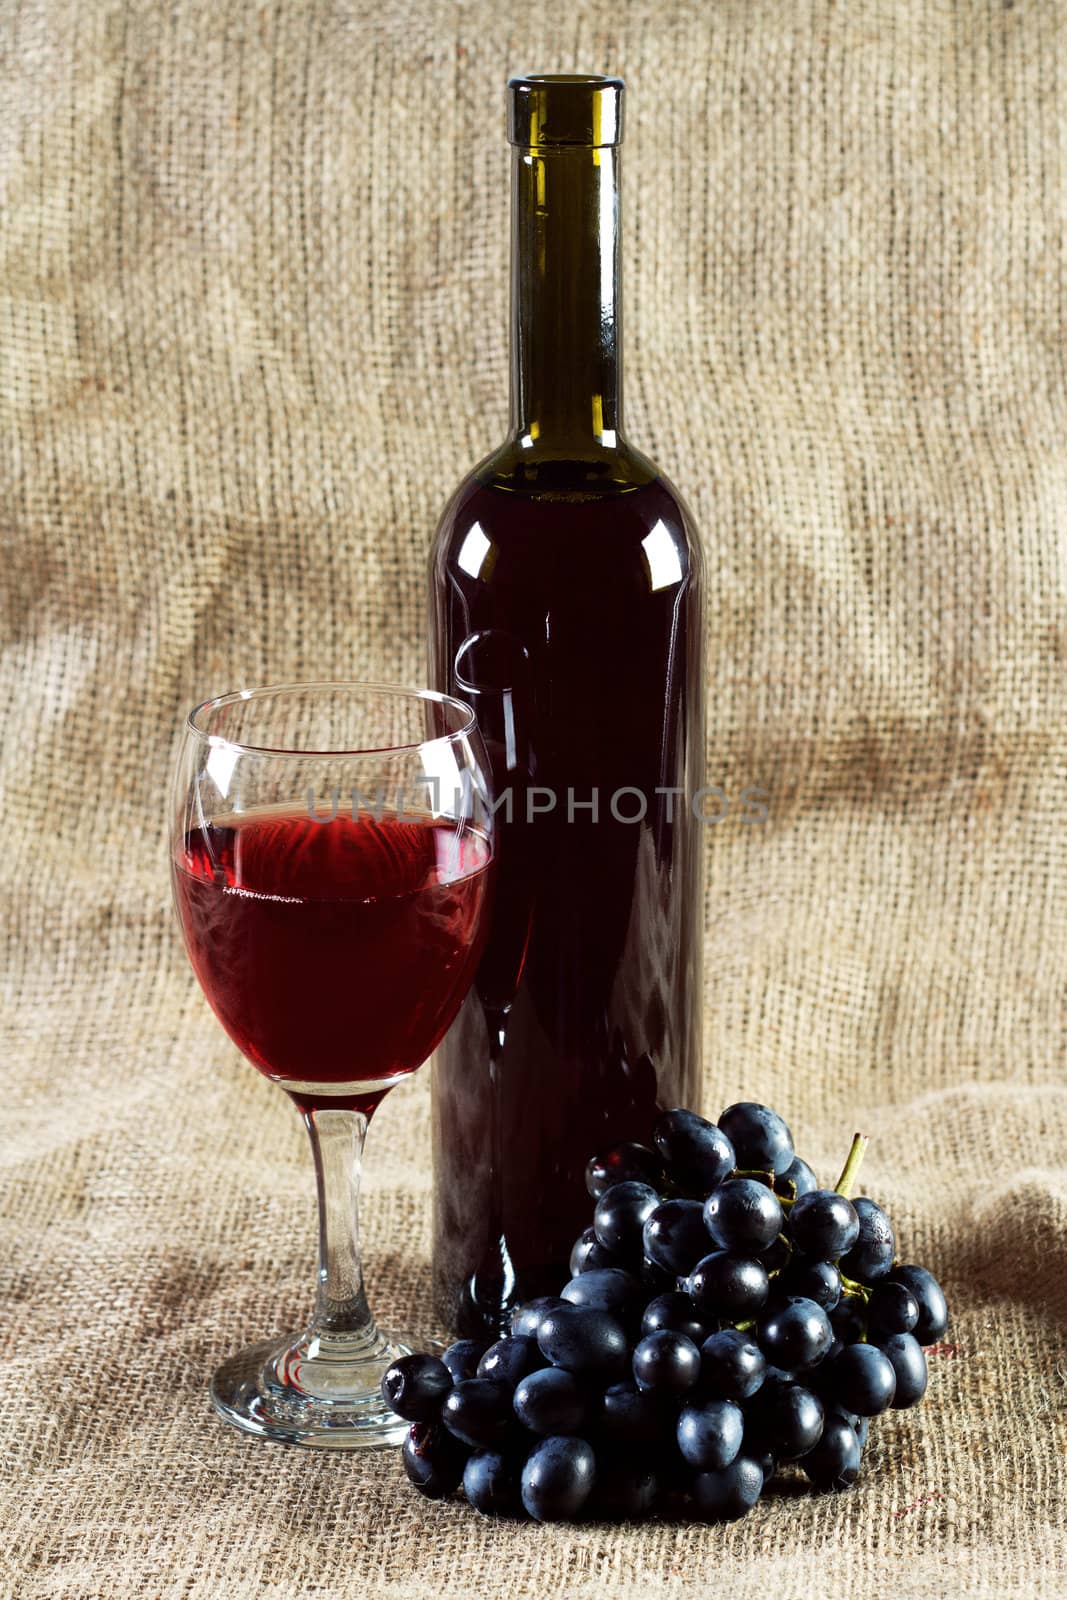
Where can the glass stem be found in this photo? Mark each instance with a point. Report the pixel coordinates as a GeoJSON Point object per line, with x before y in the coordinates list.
{"type": "Point", "coordinates": [341, 1310]}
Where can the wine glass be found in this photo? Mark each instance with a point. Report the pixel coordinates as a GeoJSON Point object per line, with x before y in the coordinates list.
{"type": "Point", "coordinates": [331, 850]}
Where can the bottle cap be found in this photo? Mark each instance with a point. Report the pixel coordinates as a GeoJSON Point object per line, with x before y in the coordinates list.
{"type": "Point", "coordinates": [546, 110]}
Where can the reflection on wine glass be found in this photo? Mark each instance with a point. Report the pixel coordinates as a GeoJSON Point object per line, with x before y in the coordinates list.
{"type": "Point", "coordinates": [331, 847]}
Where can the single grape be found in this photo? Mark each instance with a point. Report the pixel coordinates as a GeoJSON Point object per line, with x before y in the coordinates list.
{"type": "Point", "coordinates": [433, 1459]}
{"type": "Point", "coordinates": [725, 1495]}
{"type": "Point", "coordinates": [905, 1354]}
{"type": "Point", "coordinates": [848, 1319]}
{"type": "Point", "coordinates": [933, 1311]}
{"type": "Point", "coordinates": [709, 1435]}
{"type": "Point", "coordinates": [732, 1365]}
{"type": "Point", "coordinates": [728, 1287]}
{"type": "Point", "coordinates": [698, 1155]}
{"type": "Point", "coordinates": [823, 1224]}
{"type": "Point", "coordinates": [891, 1309]}
{"type": "Point", "coordinates": [834, 1463]}
{"type": "Point", "coordinates": [674, 1310]}
{"type": "Point", "coordinates": [462, 1358]}
{"type": "Point", "coordinates": [625, 1163]}
{"type": "Point", "coordinates": [509, 1360]}
{"type": "Point", "coordinates": [620, 1217]}
{"type": "Point", "coordinates": [815, 1280]}
{"type": "Point", "coordinates": [777, 1255]}
{"type": "Point", "coordinates": [588, 1342]}
{"type": "Point", "coordinates": [797, 1179]}
{"type": "Point", "coordinates": [634, 1416]}
{"type": "Point", "coordinates": [478, 1411]}
{"type": "Point", "coordinates": [871, 1257]}
{"type": "Point", "coordinates": [785, 1418]}
{"type": "Point", "coordinates": [415, 1387]}
{"type": "Point", "coordinates": [606, 1289]}
{"type": "Point", "coordinates": [761, 1140]}
{"type": "Point", "coordinates": [743, 1215]}
{"type": "Point", "coordinates": [862, 1379]}
{"type": "Point", "coordinates": [795, 1333]}
{"type": "Point", "coordinates": [656, 1279]}
{"type": "Point", "coordinates": [666, 1362]}
{"type": "Point", "coordinates": [625, 1488]}
{"type": "Point", "coordinates": [558, 1478]}
{"type": "Point", "coordinates": [526, 1319]}
{"type": "Point", "coordinates": [491, 1484]}
{"type": "Point", "coordinates": [861, 1426]}
{"type": "Point", "coordinates": [588, 1254]}
{"type": "Point", "coordinates": [675, 1236]}
{"type": "Point", "coordinates": [552, 1401]}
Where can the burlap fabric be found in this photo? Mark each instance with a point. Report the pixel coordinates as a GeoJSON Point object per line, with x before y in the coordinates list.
{"type": "Point", "coordinates": [253, 327]}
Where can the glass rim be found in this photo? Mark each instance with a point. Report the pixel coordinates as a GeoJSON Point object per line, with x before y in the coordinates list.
{"type": "Point", "coordinates": [397, 691]}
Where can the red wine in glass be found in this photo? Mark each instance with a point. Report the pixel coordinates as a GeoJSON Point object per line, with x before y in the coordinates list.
{"type": "Point", "coordinates": [333, 950]}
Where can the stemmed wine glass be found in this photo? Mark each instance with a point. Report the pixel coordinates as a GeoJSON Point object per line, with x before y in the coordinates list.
{"type": "Point", "coordinates": [331, 850]}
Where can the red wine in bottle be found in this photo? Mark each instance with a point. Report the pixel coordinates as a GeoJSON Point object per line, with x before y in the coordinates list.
{"type": "Point", "coordinates": [566, 607]}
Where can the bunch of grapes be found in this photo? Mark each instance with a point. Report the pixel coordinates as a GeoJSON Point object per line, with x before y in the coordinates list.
{"type": "Point", "coordinates": [726, 1318]}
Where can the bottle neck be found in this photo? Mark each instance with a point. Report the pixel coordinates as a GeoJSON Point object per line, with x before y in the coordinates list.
{"type": "Point", "coordinates": [566, 367]}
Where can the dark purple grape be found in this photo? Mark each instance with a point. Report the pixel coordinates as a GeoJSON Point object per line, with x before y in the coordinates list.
{"type": "Point", "coordinates": [871, 1257]}
{"type": "Point", "coordinates": [675, 1237]}
{"type": "Point", "coordinates": [462, 1358]}
{"type": "Point", "coordinates": [526, 1319]}
{"type": "Point", "coordinates": [743, 1215]}
{"type": "Point", "coordinates": [848, 1319]}
{"type": "Point", "coordinates": [862, 1379]}
{"type": "Point", "coordinates": [797, 1179]}
{"type": "Point", "coordinates": [666, 1362]}
{"type": "Point", "coordinates": [606, 1289]}
{"type": "Point", "coordinates": [656, 1279]}
{"type": "Point", "coordinates": [634, 1416]}
{"type": "Point", "coordinates": [732, 1365]}
{"type": "Point", "coordinates": [815, 1280]}
{"type": "Point", "coordinates": [784, 1418]}
{"type": "Point", "coordinates": [892, 1308]}
{"type": "Point", "coordinates": [590, 1343]}
{"type": "Point", "coordinates": [552, 1401]}
{"type": "Point", "coordinates": [558, 1478]}
{"type": "Point", "coordinates": [727, 1287]}
{"type": "Point", "coordinates": [674, 1310]}
{"type": "Point", "coordinates": [624, 1163]}
{"type": "Point", "coordinates": [777, 1256]}
{"type": "Point", "coordinates": [478, 1411]}
{"type": "Point", "coordinates": [905, 1355]}
{"type": "Point", "coordinates": [728, 1494]}
{"type": "Point", "coordinates": [510, 1360]}
{"type": "Point", "coordinates": [795, 1333]}
{"type": "Point", "coordinates": [433, 1459]}
{"type": "Point", "coordinates": [588, 1254]}
{"type": "Point", "coordinates": [823, 1224]}
{"type": "Point", "coordinates": [491, 1484]}
{"type": "Point", "coordinates": [761, 1140]}
{"type": "Point", "coordinates": [933, 1311]}
{"type": "Point", "coordinates": [709, 1435]}
{"type": "Point", "coordinates": [625, 1488]}
{"type": "Point", "coordinates": [415, 1386]}
{"type": "Point", "coordinates": [834, 1463]}
{"type": "Point", "coordinates": [620, 1217]}
{"type": "Point", "coordinates": [697, 1153]}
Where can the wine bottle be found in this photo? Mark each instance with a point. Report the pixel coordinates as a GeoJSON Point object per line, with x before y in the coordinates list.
{"type": "Point", "coordinates": [566, 607]}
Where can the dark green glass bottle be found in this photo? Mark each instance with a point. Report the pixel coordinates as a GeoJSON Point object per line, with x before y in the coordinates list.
{"type": "Point", "coordinates": [566, 606]}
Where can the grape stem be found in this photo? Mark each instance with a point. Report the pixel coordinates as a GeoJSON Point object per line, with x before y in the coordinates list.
{"type": "Point", "coordinates": [850, 1170]}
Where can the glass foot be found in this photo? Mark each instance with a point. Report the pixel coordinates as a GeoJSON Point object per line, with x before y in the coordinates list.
{"type": "Point", "coordinates": [312, 1391]}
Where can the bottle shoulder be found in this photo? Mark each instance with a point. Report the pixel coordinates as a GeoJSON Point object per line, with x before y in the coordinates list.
{"type": "Point", "coordinates": [612, 493]}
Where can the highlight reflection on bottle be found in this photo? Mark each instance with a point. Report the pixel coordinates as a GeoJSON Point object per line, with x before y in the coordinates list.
{"type": "Point", "coordinates": [566, 606]}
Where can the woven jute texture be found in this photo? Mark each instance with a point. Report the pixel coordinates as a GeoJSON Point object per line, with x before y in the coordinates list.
{"type": "Point", "coordinates": [253, 298]}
